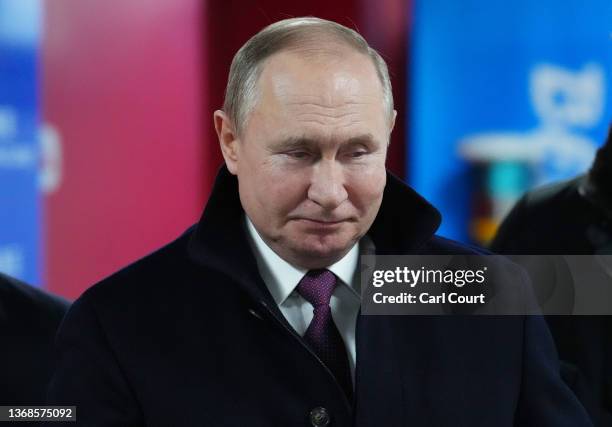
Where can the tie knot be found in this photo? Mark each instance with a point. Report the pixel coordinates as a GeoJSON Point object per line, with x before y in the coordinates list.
{"type": "Point", "coordinates": [317, 287]}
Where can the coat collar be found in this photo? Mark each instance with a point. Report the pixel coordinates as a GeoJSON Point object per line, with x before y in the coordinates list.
{"type": "Point", "coordinates": [404, 223]}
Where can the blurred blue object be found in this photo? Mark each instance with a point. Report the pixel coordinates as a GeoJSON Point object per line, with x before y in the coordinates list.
{"type": "Point", "coordinates": [20, 22]}
{"type": "Point", "coordinates": [519, 88]}
{"type": "Point", "coordinates": [20, 198]}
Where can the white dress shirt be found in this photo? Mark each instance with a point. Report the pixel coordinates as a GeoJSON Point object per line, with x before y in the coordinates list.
{"type": "Point", "coordinates": [282, 278]}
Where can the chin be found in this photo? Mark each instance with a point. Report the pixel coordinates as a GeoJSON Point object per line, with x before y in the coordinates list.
{"type": "Point", "coordinates": [320, 254]}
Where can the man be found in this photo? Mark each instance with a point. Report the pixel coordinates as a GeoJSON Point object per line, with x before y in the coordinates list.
{"type": "Point", "coordinates": [572, 218]}
{"type": "Point", "coordinates": [252, 316]}
{"type": "Point", "coordinates": [29, 319]}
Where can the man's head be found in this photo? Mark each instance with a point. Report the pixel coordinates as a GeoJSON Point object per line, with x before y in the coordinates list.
{"type": "Point", "coordinates": [305, 127]}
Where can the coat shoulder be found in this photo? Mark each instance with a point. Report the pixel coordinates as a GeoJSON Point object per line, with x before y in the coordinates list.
{"type": "Point", "coordinates": [558, 192]}
{"type": "Point", "coordinates": [439, 245]}
{"type": "Point", "coordinates": [145, 277]}
{"type": "Point", "coordinates": [21, 302]}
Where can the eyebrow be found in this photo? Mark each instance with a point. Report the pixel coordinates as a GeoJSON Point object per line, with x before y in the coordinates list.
{"type": "Point", "coordinates": [293, 143]}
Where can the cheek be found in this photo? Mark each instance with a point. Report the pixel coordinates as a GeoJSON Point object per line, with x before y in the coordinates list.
{"type": "Point", "coordinates": [279, 192]}
{"type": "Point", "coordinates": [368, 189]}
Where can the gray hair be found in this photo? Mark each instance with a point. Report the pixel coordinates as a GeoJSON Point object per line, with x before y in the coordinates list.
{"type": "Point", "coordinates": [241, 92]}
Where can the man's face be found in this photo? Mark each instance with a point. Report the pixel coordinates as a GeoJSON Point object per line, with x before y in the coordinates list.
{"type": "Point", "coordinates": [311, 158]}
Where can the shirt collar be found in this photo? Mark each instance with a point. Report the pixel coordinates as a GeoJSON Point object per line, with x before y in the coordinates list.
{"type": "Point", "coordinates": [281, 277]}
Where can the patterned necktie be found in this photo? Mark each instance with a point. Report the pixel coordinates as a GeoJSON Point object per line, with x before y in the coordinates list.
{"type": "Point", "coordinates": [322, 336]}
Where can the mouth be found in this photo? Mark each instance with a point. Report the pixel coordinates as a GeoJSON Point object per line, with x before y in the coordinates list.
{"type": "Point", "coordinates": [320, 223]}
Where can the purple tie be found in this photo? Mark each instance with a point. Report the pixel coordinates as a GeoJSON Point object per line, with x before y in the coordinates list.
{"type": "Point", "coordinates": [322, 336]}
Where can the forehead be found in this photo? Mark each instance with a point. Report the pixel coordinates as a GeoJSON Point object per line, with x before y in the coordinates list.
{"type": "Point", "coordinates": [329, 77]}
{"type": "Point", "coordinates": [309, 92]}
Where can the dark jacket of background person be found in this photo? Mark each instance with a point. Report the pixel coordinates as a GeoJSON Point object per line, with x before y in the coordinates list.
{"type": "Point", "coordinates": [572, 217]}
{"type": "Point", "coordinates": [29, 319]}
{"type": "Point", "coordinates": [190, 336]}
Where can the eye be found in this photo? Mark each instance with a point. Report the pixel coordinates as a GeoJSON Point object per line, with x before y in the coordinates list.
{"type": "Point", "coordinates": [358, 154]}
{"type": "Point", "coordinates": [298, 155]}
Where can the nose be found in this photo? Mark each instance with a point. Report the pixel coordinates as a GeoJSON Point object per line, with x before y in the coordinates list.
{"type": "Point", "coordinates": [327, 185]}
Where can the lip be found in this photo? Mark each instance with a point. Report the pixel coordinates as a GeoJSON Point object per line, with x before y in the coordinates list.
{"type": "Point", "coordinates": [321, 222]}
{"type": "Point", "coordinates": [320, 226]}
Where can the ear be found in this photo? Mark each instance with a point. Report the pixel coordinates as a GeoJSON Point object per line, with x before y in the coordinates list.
{"type": "Point", "coordinates": [228, 140]}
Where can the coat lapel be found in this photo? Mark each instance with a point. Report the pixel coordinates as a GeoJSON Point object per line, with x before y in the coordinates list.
{"type": "Point", "coordinates": [392, 350]}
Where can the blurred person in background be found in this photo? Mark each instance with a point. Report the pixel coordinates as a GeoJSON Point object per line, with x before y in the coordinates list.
{"type": "Point", "coordinates": [29, 319]}
{"type": "Point", "coordinates": [572, 218]}
{"type": "Point", "coordinates": [252, 316]}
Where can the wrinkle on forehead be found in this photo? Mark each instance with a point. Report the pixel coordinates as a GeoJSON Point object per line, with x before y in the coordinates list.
{"type": "Point", "coordinates": [336, 113]}
{"type": "Point", "coordinates": [326, 121]}
{"type": "Point", "coordinates": [341, 114]}
{"type": "Point", "coordinates": [328, 104]}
